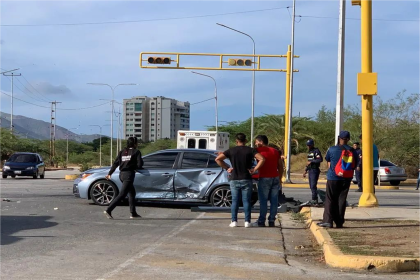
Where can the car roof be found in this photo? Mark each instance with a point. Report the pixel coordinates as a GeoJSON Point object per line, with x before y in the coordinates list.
{"type": "Point", "coordinates": [24, 153]}
{"type": "Point", "coordinates": [189, 150]}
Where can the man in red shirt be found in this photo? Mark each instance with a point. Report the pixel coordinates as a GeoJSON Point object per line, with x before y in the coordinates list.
{"type": "Point", "coordinates": [269, 182]}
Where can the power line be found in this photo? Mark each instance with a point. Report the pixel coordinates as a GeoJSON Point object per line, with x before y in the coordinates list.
{"type": "Point", "coordinates": [141, 20]}
{"type": "Point", "coordinates": [34, 88]}
{"type": "Point", "coordinates": [28, 90]}
{"type": "Point", "coordinates": [16, 86]}
{"type": "Point", "coordinates": [376, 19]}
{"type": "Point", "coordinates": [65, 109]}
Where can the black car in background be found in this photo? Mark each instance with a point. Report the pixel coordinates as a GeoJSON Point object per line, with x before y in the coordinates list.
{"type": "Point", "coordinates": [24, 164]}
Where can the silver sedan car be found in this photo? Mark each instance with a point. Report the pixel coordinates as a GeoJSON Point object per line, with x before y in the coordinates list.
{"type": "Point", "coordinates": [178, 175]}
{"type": "Point", "coordinates": [389, 172]}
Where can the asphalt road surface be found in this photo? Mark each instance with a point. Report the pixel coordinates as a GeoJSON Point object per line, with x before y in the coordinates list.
{"type": "Point", "coordinates": [46, 233]}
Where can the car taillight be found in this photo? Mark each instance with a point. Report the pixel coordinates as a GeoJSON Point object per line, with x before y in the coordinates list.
{"type": "Point", "coordinates": [387, 171]}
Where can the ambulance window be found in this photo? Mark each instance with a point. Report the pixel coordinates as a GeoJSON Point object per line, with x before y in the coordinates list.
{"type": "Point", "coordinates": [191, 143]}
{"type": "Point", "coordinates": [202, 144]}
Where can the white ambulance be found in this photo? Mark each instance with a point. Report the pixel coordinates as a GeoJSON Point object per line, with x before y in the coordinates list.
{"type": "Point", "coordinates": [210, 140]}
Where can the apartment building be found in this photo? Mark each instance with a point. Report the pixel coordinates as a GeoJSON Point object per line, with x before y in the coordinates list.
{"type": "Point", "coordinates": [150, 119]}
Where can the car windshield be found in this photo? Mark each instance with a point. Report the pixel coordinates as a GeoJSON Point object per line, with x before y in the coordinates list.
{"type": "Point", "coordinates": [22, 158]}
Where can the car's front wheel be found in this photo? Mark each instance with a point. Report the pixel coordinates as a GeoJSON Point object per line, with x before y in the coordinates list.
{"type": "Point", "coordinates": [4, 176]}
{"type": "Point", "coordinates": [221, 197]}
{"type": "Point", "coordinates": [103, 192]}
{"type": "Point", "coordinates": [42, 176]}
{"type": "Point", "coordinates": [394, 183]}
{"type": "Point", "coordinates": [36, 175]}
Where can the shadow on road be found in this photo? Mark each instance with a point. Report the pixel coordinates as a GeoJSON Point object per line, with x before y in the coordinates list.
{"type": "Point", "coordinates": [14, 224]}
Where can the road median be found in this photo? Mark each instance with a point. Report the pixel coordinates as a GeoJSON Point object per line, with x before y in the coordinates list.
{"type": "Point", "coordinates": [335, 257]}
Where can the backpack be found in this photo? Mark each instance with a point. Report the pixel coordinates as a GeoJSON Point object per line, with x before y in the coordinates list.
{"type": "Point", "coordinates": [346, 164]}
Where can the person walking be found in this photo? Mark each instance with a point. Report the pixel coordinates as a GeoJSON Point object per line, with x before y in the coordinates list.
{"type": "Point", "coordinates": [358, 172]}
{"type": "Point", "coordinates": [418, 181]}
{"type": "Point", "coordinates": [312, 167]}
{"type": "Point", "coordinates": [129, 160]}
{"type": "Point", "coordinates": [269, 181]}
{"type": "Point", "coordinates": [341, 163]}
{"type": "Point", "coordinates": [242, 159]}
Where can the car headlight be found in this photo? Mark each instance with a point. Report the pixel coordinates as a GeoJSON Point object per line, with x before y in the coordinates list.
{"type": "Point", "coordinates": [30, 168]}
{"type": "Point", "coordinates": [6, 167]}
{"type": "Point", "coordinates": [85, 175]}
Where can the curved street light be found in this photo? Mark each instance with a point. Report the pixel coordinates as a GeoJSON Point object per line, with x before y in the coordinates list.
{"type": "Point", "coordinates": [215, 95]}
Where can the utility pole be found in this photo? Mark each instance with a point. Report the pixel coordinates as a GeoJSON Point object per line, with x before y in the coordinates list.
{"type": "Point", "coordinates": [289, 132]}
{"type": "Point", "coordinates": [11, 100]}
{"type": "Point", "coordinates": [340, 68]}
{"type": "Point", "coordinates": [367, 87]}
{"type": "Point", "coordinates": [53, 130]}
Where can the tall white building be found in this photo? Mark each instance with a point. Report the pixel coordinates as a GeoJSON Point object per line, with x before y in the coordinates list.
{"type": "Point", "coordinates": [150, 119]}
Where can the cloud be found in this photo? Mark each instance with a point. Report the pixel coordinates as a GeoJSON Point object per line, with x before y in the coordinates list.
{"type": "Point", "coordinates": [49, 89]}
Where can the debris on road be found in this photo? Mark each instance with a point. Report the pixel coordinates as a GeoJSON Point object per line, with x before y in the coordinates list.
{"type": "Point", "coordinates": [6, 199]}
{"type": "Point", "coordinates": [56, 208]}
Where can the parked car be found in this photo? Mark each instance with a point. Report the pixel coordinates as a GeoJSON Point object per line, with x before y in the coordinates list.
{"type": "Point", "coordinates": [177, 175]}
{"type": "Point", "coordinates": [389, 172]}
{"type": "Point", "coordinates": [24, 164]}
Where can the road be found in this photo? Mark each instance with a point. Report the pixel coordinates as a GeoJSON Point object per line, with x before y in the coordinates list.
{"type": "Point", "coordinates": [46, 233]}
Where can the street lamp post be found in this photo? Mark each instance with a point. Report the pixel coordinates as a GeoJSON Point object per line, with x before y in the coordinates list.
{"type": "Point", "coordinates": [253, 81]}
{"type": "Point", "coordinates": [67, 153]}
{"type": "Point", "coordinates": [100, 143]}
{"type": "Point", "coordinates": [112, 109]}
{"type": "Point", "coordinates": [215, 96]}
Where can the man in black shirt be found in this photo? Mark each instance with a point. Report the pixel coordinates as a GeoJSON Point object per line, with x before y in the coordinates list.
{"type": "Point", "coordinates": [358, 172]}
{"type": "Point", "coordinates": [129, 160]}
{"type": "Point", "coordinates": [242, 159]}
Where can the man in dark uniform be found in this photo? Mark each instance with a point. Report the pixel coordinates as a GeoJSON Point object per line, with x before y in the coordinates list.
{"type": "Point", "coordinates": [358, 172]}
{"type": "Point", "coordinates": [312, 167]}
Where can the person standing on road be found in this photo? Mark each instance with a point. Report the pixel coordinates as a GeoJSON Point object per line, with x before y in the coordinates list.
{"type": "Point", "coordinates": [341, 163]}
{"type": "Point", "coordinates": [418, 181]}
{"type": "Point", "coordinates": [269, 181]}
{"type": "Point", "coordinates": [242, 159]}
{"type": "Point", "coordinates": [358, 172]}
{"type": "Point", "coordinates": [129, 160]}
{"type": "Point", "coordinates": [312, 167]}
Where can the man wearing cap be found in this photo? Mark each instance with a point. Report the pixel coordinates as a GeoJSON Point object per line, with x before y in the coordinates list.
{"type": "Point", "coordinates": [337, 186]}
{"type": "Point", "coordinates": [312, 167]}
{"type": "Point", "coordinates": [358, 172]}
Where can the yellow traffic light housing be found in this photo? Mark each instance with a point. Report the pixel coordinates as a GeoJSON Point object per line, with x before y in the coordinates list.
{"type": "Point", "coordinates": [159, 60]}
{"type": "Point", "coordinates": [356, 2]}
{"type": "Point", "coordinates": [239, 62]}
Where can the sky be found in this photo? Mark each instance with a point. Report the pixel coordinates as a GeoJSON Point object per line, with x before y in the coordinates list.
{"type": "Point", "coordinates": [57, 62]}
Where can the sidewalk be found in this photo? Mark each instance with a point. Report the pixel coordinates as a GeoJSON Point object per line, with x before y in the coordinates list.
{"type": "Point", "coordinates": [381, 239]}
{"type": "Point", "coordinates": [304, 183]}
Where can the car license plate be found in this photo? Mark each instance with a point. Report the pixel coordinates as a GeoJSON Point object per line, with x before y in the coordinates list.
{"type": "Point", "coordinates": [18, 172]}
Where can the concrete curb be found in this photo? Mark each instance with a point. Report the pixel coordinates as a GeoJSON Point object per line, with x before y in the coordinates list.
{"type": "Point", "coordinates": [352, 187]}
{"type": "Point", "coordinates": [71, 177]}
{"type": "Point", "coordinates": [335, 258]}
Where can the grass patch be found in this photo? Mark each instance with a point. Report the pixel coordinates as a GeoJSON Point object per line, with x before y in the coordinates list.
{"type": "Point", "coordinates": [300, 217]}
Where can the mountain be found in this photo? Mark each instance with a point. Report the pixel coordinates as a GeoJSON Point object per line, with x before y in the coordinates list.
{"type": "Point", "coordinates": [36, 129]}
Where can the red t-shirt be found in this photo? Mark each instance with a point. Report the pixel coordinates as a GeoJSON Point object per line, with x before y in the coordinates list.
{"type": "Point", "coordinates": [269, 169]}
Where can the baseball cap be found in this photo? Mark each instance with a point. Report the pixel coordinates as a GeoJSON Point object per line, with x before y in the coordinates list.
{"type": "Point", "coordinates": [344, 134]}
{"type": "Point", "coordinates": [310, 142]}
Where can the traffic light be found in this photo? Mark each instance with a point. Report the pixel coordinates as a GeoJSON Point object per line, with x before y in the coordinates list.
{"type": "Point", "coordinates": [239, 62]}
{"type": "Point", "coordinates": [159, 60]}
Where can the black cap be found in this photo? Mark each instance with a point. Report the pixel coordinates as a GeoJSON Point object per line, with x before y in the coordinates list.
{"type": "Point", "coordinates": [344, 134]}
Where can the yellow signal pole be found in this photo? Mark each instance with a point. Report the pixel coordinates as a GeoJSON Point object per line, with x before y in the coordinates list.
{"type": "Point", "coordinates": [287, 106]}
{"type": "Point", "coordinates": [367, 87]}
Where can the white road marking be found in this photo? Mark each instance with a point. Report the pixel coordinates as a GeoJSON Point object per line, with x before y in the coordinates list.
{"type": "Point", "coordinates": [149, 249]}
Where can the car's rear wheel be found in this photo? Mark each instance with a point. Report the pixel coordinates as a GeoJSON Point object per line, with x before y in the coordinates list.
{"type": "Point", "coordinates": [103, 192]}
{"type": "Point", "coordinates": [36, 175]}
{"type": "Point", "coordinates": [4, 176]}
{"type": "Point", "coordinates": [394, 183]}
{"type": "Point", "coordinates": [13, 176]}
{"type": "Point", "coordinates": [221, 197]}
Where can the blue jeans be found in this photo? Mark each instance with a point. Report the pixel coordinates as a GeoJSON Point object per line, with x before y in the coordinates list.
{"type": "Point", "coordinates": [268, 189]}
{"type": "Point", "coordinates": [241, 188]}
{"type": "Point", "coordinates": [313, 181]}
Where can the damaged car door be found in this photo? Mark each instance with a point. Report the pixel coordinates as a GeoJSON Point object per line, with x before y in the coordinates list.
{"type": "Point", "coordinates": [156, 179]}
{"type": "Point", "coordinates": [195, 175]}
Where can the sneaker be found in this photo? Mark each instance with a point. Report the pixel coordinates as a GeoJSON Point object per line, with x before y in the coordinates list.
{"type": "Point", "coordinates": [233, 224]}
{"type": "Point", "coordinates": [313, 202]}
{"type": "Point", "coordinates": [271, 224]}
{"type": "Point", "coordinates": [135, 216]}
{"type": "Point", "coordinates": [108, 215]}
{"type": "Point", "coordinates": [247, 224]}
